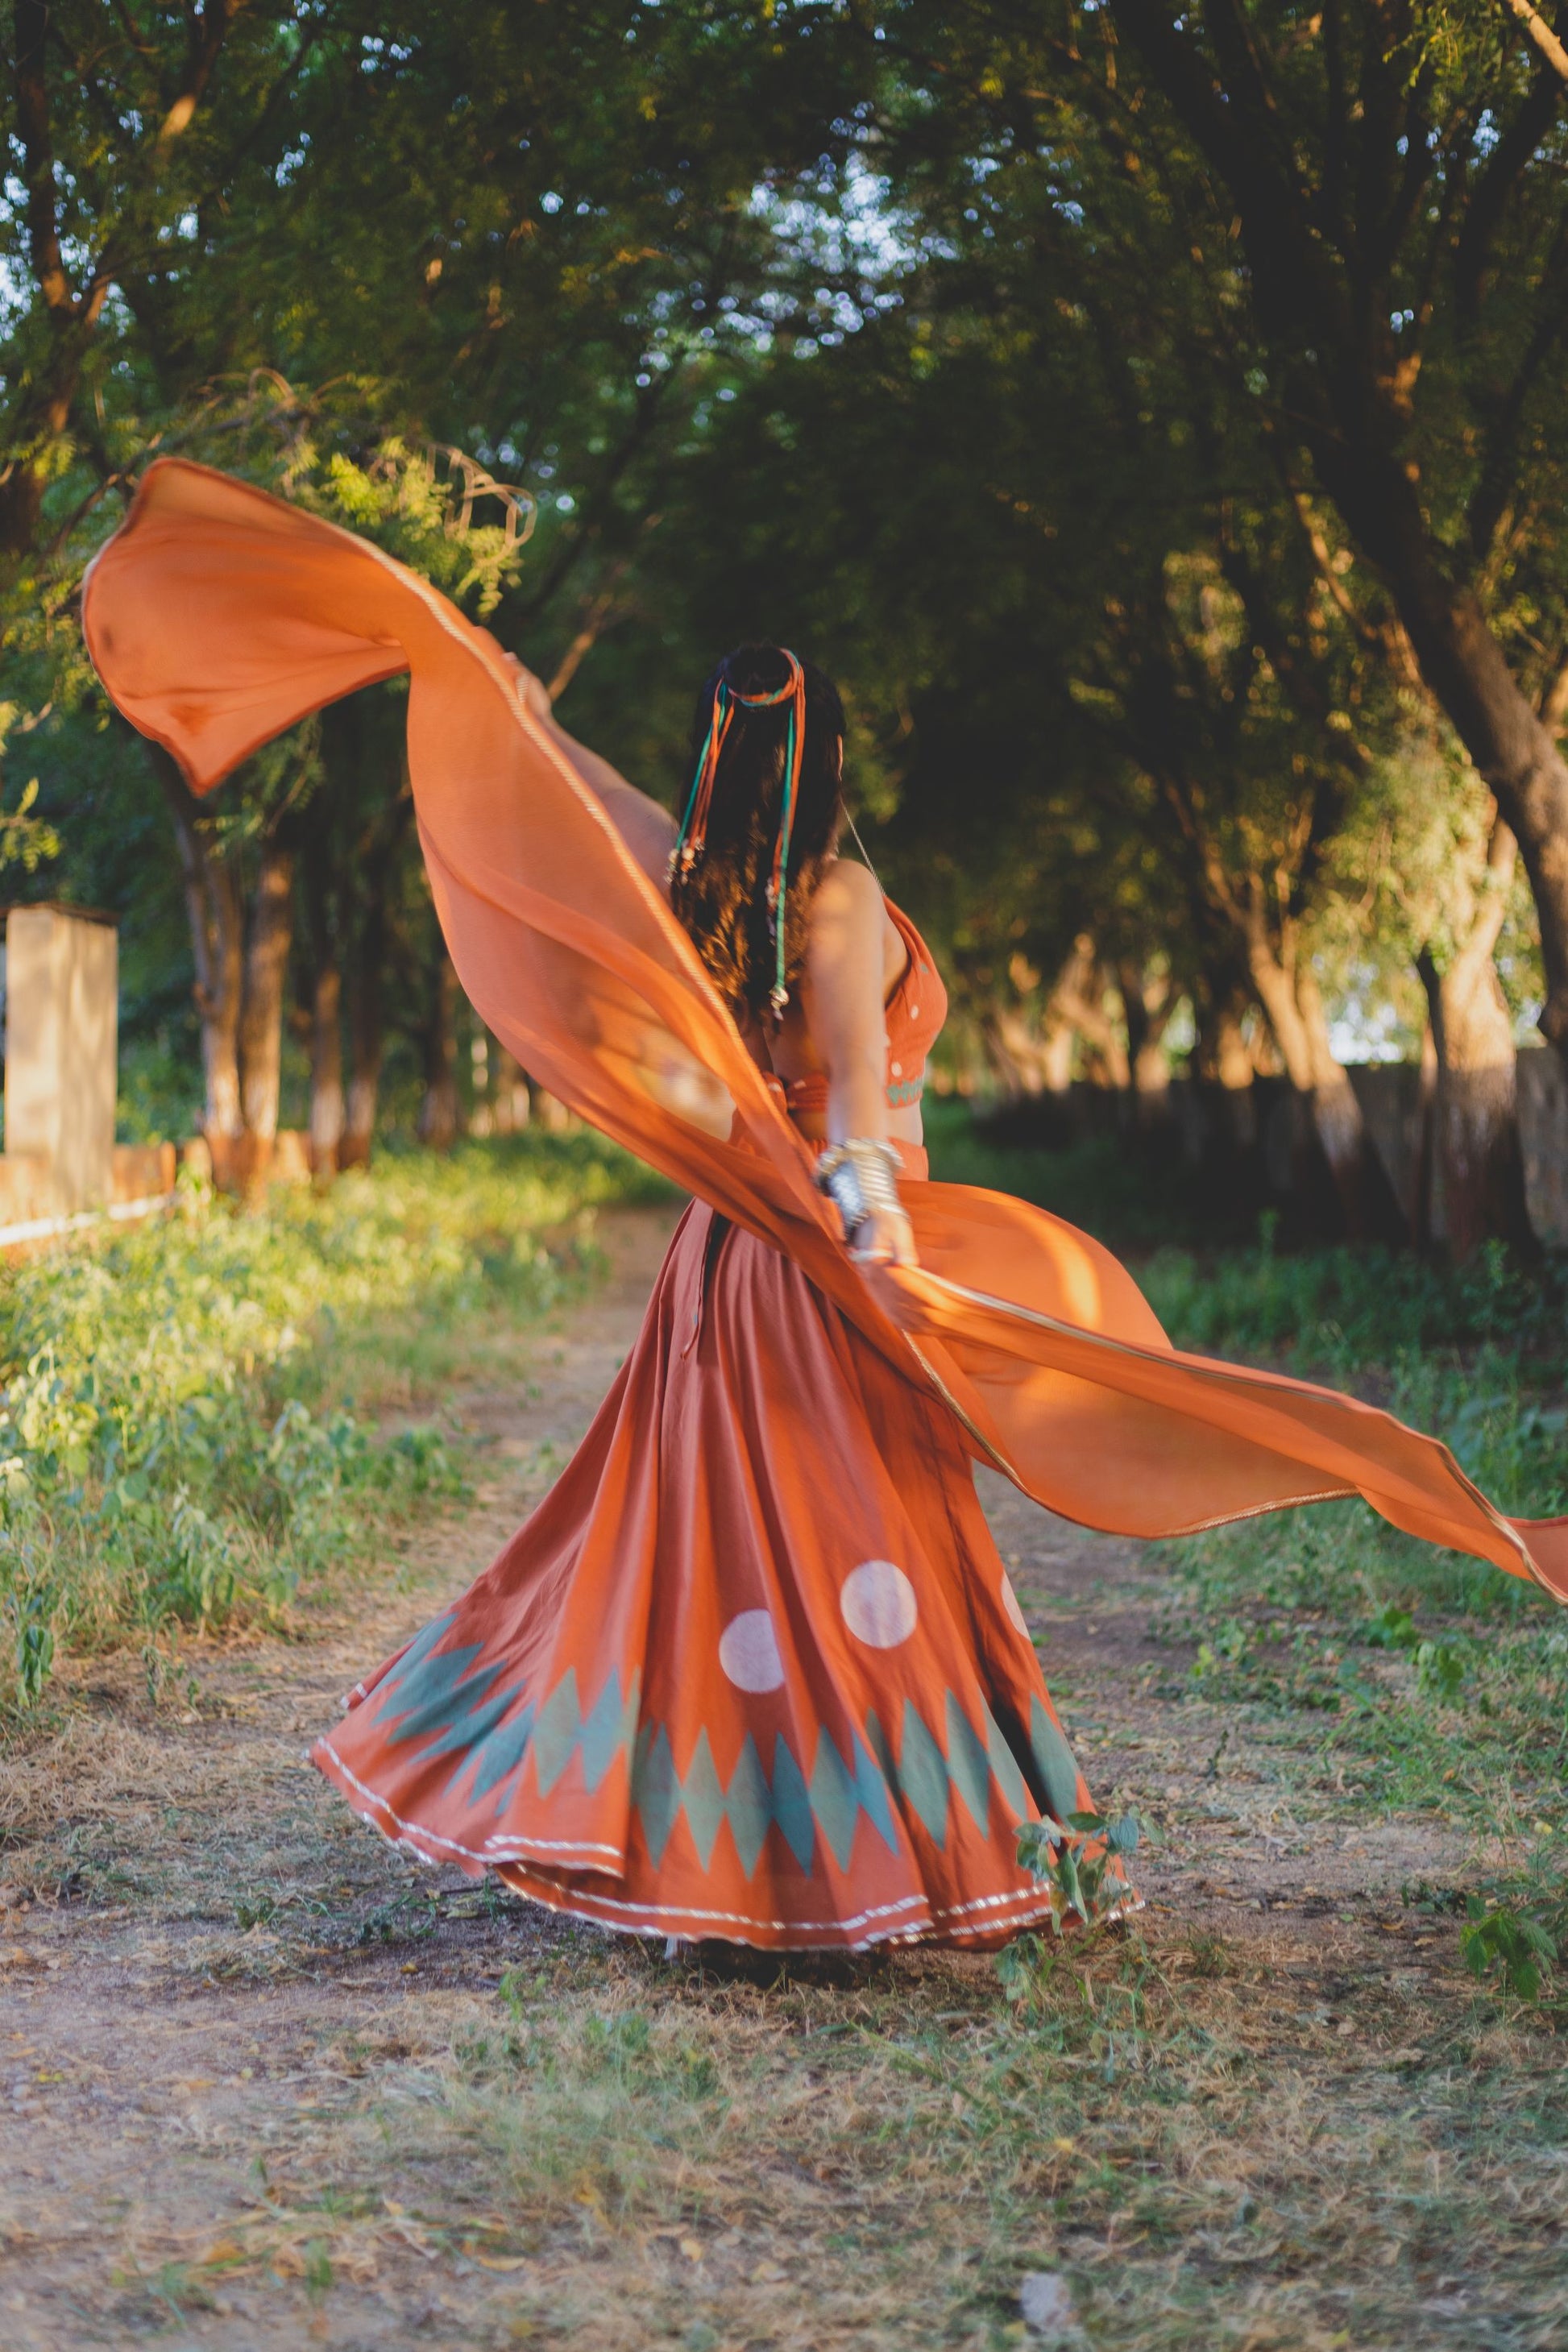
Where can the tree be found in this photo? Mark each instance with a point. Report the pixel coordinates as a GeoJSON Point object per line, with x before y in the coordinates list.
{"type": "Point", "coordinates": [1371, 192]}
{"type": "Point", "coordinates": [125, 129]}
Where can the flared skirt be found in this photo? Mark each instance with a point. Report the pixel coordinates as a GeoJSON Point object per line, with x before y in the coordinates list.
{"type": "Point", "coordinates": [752, 1670]}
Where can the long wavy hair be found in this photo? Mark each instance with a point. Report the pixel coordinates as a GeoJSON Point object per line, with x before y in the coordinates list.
{"type": "Point", "coordinates": [722, 900]}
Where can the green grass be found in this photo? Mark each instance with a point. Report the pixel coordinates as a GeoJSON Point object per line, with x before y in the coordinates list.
{"type": "Point", "coordinates": [205, 1416]}
{"type": "Point", "coordinates": [1324, 2117]}
{"type": "Point", "coordinates": [1416, 1680]}
{"type": "Point", "coordinates": [1438, 1681]}
{"type": "Point", "coordinates": [1426, 1682]}
{"type": "Point", "coordinates": [1202, 2150]}
{"type": "Point", "coordinates": [1102, 1183]}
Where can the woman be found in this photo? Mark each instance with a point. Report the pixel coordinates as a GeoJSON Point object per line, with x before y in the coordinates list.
{"type": "Point", "coordinates": [753, 1668]}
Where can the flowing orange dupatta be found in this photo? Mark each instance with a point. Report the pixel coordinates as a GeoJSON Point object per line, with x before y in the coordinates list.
{"type": "Point", "coordinates": [217, 616]}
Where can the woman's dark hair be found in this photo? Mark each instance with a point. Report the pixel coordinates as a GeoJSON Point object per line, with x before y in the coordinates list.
{"type": "Point", "coordinates": [722, 900]}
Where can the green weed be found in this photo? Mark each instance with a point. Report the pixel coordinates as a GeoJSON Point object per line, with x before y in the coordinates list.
{"type": "Point", "coordinates": [190, 1412]}
{"type": "Point", "coordinates": [1510, 1943]}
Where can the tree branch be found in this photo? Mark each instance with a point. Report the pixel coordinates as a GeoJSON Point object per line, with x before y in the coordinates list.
{"type": "Point", "coordinates": [1507, 161]}
{"type": "Point", "coordinates": [34, 127]}
{"type": "Point", "coordinates": [1542, 34]}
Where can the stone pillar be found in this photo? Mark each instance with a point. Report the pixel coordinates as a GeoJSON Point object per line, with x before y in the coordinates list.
{"type": "Point", "coordinates": [61, 983]}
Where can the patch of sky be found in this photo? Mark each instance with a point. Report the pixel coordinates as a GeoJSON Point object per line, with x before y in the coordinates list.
{"type": "Point", "coordinates": [1364, 1025]}
{"type": "Point", "coordinates": [851, 227]}
{"type": "Point", "coordinates": [1181, 1030]}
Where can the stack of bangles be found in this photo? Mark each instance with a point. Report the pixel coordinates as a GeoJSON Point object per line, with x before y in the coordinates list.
{"type": "Point", "coordinates": [860, 1178]}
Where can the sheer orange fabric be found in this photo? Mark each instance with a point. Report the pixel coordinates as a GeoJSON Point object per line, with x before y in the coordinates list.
{"type": "Point", "coordinates": [217, 615]}
{"type": "Point", "coordinates": [753, 1668]}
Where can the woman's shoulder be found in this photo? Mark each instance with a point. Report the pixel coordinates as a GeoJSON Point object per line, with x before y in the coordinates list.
{"type": "Point", "coordinates": [846, 887]}
{"type": "Point", "coordinates": [849, 912]}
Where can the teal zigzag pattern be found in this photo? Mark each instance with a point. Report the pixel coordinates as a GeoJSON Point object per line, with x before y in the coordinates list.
{"type": "Point", "coordinates": [922, 1781]}
{"type": "Point", "coordinates": [445, 1701]}
{"type": "Point", "coordinates": [830, 1802]}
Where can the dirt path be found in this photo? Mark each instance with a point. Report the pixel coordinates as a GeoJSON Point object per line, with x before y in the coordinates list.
{"type": "Point", "coordinates": [217, 1987]}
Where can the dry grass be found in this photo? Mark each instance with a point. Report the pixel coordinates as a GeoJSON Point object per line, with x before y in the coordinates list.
{"type": "Point", "coordinates": [271, 2087]}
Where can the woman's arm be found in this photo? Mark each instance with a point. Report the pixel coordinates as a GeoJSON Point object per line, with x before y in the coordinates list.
{"type": "Point", "coordinates": [843, 996]}
{"type": "Point", "coordinates": [647, 830]}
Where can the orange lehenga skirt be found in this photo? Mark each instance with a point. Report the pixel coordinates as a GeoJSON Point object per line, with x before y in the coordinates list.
{"type": "Point", "coordinates": [753, 1668]}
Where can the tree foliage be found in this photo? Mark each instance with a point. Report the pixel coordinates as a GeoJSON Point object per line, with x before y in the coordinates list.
{"type": "Point", "coordinates": [1153, 420]}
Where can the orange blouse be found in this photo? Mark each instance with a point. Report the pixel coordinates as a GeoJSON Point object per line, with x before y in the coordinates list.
{"type": "Point", "coordinates": [916, 1011]}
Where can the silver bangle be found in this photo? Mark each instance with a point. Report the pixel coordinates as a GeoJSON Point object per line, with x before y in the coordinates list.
{"type": "Point", "coordinates": [860, 1177]}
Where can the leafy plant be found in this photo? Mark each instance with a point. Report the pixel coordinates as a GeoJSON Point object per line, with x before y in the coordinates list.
{"type": "Point", "coordinates": [1440, 1666]}
{"type": "Point", "coordinates": [1496, 1938]}
{"type": "Point", "coordinates": [1393, 1629]}
{"type": "Point", "coordinates": [1440, 1669]}
{"type": "Point", "coordinates": [1079, 1862]}
{"type": "Point", "coordinates": [34, 1642]}
{"type": "Point", "coordinates": [167, 1453]}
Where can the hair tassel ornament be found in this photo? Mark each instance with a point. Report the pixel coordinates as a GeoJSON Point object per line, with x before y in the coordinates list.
{"type": "Point", "coordinates": [692, 839]}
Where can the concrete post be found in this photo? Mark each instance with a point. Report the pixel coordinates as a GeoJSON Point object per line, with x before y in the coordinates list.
{"type": "Point", "coordinates": [61, 986]}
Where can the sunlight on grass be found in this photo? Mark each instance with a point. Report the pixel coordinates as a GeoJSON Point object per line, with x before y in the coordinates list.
{"type": "Point", "coordinates": [654, 2150]}
{"type": "Point", "coordinates": [195, 1420]}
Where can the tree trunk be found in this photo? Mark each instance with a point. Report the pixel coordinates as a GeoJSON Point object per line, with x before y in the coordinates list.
{"type": "Point", "coordinates": [1508, 741]}
{"type": "Point", "coordinates": [215, 915]}
{"type": "Point", "coordinates": [1353, 417]}
{"type": "Point", "coordinates": [325, 1011]}
{"type": "Point", "coordinates": [438, 1123]}
{"type": "Point", "coordinates": [1224, 1058]}
{"type": "Point", "coordinates": [553, 1115]}
{"type": "Point", "coordinates": [1288, 990]}
{"type": "Point", "coordinates": [241, 960]}
{"type": "Point", "coordinates": [1018, 1054]}
{"type": "Point", "coordinates": [1423, 1159]}
{"type": "Point", "coordinates": [1077, 1004]}
{"type": "Point", "coordinates": [512, 1106]}
{"type": "Point", "coordinates": [327, 1118]}
{"type": "Point", "coordinates": [1035, 1056]}
{"type": "Point", "coordinates": [270, 935]}
{"type": "Point", "coordinates": [365, 899]}
{"type": "Point", "coordinates": [366, 1045]}
{"type": "Point", "coordinates": [1149, 999]}
{"type": "Point", "coordinates": [1479, 1145]}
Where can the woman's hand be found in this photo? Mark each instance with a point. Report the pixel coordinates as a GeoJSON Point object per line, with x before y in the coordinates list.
{"type": "Point", "coordinates": [884, 1237]}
